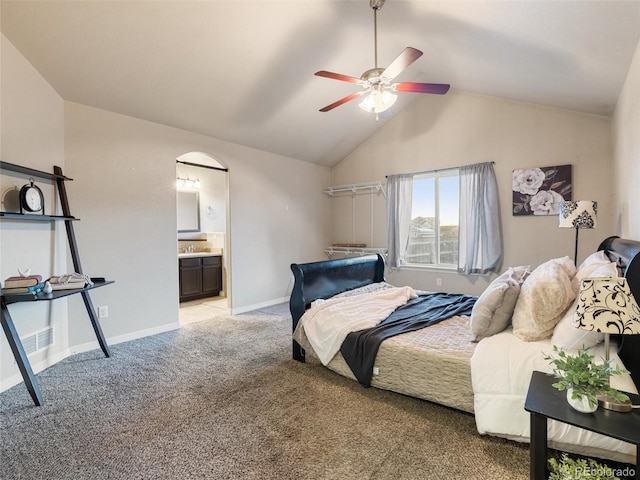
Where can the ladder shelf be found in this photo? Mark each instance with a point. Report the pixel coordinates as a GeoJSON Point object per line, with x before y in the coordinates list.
{"type": "Point", "coordinates": [5, 300]}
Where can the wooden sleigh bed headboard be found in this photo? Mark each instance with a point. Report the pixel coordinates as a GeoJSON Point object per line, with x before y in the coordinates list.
{"type": "Point", "coordinates": [328, 278]}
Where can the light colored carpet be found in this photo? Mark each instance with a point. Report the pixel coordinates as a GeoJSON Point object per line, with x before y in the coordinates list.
{"type": "Point", "coordinates": [222, 399]}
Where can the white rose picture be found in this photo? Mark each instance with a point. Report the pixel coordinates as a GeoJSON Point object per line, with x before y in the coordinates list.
{"type": "Point", "coordinates": [539, 191]}
{"type": "Point", "coordinates": [528, 180]}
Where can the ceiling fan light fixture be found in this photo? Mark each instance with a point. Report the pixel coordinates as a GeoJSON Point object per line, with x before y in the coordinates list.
{"type": "Point", "coordinates": [377, 89]}
{"type": "Point", "coordinates": [378, 101]}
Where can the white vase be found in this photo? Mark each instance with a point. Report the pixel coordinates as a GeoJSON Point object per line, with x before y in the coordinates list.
{"type": "Point", "coordinates": [581, 403]}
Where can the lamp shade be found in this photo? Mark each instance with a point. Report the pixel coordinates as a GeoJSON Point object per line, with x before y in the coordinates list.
{"type": "Point", "coordinates": [580, 214]}
{"type": "Point", "coordinates": [606, 305]}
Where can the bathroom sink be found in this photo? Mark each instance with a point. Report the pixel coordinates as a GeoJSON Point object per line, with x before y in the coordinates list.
{"type": "Point", "coordinates": [214, 253]}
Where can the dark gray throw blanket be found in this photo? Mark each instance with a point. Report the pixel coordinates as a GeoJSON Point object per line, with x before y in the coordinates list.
{"type": "Point", "coordinates": [360, 348]}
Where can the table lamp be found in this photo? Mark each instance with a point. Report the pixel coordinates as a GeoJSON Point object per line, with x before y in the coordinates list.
{"type": "Point", "coordinates": [580, 214]}
{"type": "Point", "coordinates": [606, 305]}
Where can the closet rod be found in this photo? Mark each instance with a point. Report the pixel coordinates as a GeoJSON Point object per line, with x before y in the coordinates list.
{"type": "Point", "coordinates": [444, 169]}
{"type": "Point", "coordinates": [354, 187]}
{"type": "Point", "coordinates": [202, 166]}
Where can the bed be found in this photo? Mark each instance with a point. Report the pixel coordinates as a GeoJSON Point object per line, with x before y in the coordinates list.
{"type": "Point", "coordinates": [487, 377]}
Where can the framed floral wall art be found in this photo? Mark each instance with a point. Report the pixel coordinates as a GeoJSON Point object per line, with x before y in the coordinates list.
{"type": "Point", "coordinates": [540, 190]}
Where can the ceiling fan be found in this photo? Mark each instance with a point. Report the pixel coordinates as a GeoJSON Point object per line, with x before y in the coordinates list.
{"type": "Point", "coordinates": [376, 82]}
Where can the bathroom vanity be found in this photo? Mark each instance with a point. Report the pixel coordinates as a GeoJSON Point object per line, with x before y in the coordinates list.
{"type": "Point", "coordinates": [200, 275]}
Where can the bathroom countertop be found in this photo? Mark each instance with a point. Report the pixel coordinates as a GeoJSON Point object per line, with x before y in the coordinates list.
{"type": "Point", "coordinates": [215, 253]}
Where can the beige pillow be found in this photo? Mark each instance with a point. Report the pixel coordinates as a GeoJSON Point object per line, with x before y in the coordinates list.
{"type": "Point", "coordinates": [492, 311]}
{"type": "Point", "coordinates": [566, 335]}
{"type": "Point", "coordinates": [544, 297]}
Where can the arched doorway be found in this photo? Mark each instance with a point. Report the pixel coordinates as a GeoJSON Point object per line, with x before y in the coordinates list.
{"type": "Point", "coordinates": [202, 202]}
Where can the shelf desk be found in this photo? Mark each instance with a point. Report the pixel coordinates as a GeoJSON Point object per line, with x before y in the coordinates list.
{"type": "Point", "coordinates": [14, 339]}
{"type": "Point", "coordinates": [5, 300]}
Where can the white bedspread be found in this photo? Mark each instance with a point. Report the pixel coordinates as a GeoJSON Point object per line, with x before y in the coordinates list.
{"type": "Point", "coordinates": [501, 368]}
{"type": "Point", "coordinates": [328, 322]}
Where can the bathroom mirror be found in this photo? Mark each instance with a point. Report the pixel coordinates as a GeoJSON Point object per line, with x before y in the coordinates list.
{"type": "Point", "coordinates": [188, 212]}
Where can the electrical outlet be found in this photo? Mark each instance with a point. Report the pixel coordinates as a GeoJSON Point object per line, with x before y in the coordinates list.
{"type": "Point", "coordinates": [376, 371]}
{"type": "Point", "coordinates": [103, 311]}
{"type": "Point", "coordinates": [438, 282]}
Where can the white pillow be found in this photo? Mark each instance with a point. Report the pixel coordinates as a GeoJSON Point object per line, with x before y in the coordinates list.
{"type": "Point", "coordinates": [544, 297]}
{"type": "Point", "coordinates": [492, 311]}
{"type": "Point", "coordinates": [566, 335]}
{"type": "Point", "coordinates": [590, 264]}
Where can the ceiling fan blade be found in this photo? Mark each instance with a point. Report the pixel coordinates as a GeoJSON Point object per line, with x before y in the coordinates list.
{"type": "Point", "coordinates": [346, 99]}
{"type": "Point", "coordinates": [437, 88]}
{"type": "Point", "coordinates": [406, 58]}
{"type": "Point", "coordinates": [338, 76]}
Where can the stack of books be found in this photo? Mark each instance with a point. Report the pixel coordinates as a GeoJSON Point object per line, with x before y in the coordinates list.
{"type": "Point", "coordinates": [67, 282]}
{"type": "Point", "coordinates": [27, 285]}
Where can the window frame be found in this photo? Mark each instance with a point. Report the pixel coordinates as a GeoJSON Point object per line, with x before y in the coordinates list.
{"type": "Point", "coordinates": [436, 175]}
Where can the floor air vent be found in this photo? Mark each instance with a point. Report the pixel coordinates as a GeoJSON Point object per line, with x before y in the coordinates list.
{"type": "Point", "coordinates": [38, 341]}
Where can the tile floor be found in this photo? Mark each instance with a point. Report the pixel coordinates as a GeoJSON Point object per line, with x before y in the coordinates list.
{"type": "Point", "coordinates": [203, 309]}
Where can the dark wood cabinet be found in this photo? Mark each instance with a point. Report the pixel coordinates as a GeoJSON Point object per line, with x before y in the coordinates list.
{"type": "Point", "coordinates": [211, 275]}
{"type": "Point", "coordinates": [190, 277]}
{"type": "Point", "coordinates": [200, 277]}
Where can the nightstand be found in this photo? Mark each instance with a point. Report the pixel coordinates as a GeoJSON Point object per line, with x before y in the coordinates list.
{"type": "Point", "coordinates": [543, 402]}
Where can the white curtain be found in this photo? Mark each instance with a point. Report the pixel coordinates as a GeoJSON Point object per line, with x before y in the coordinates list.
{"type": "Point", "coordinates": [399, 196]}
{"type": "Point", "coordinates": [480, 232]}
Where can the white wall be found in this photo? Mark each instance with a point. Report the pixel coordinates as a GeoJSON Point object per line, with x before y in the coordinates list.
{"type": "Point", "coordinates": [463, 128]}
{"type": "Point", "coordinates": [626, 135]}
{"type": "Point", "coordinates": [278, 216]}
{"type": "Point", "coordinates": [124, 171]}
{"type": "Point", "coordinates": [32, 134]}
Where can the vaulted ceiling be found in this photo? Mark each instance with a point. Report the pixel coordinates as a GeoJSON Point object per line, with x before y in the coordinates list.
{"type": "Point", "coordinates": [242, 70]}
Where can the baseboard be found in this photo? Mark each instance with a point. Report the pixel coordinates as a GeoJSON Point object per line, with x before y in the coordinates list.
{"type": "Point", "coordinates": [87, 347]}
{"type": "Point", "coordinates": [16, 379]}
{"type": "Point", "coordinates": [256, 306]}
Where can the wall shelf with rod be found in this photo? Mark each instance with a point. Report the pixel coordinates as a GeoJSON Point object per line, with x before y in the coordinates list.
{"type": "Point", "coordinates": [354, 189]}
{"type": "Point", "coordinates": [354, 251]}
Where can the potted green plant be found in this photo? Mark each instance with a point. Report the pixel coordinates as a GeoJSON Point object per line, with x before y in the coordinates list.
{"type": "Point", "coordinates": [579, 469]}
{"type": "Point", "coordinates": [583, 379]}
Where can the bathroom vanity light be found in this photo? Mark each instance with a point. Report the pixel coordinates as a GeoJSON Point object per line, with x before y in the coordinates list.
{"type": "Point", "coordinates": [186, 182]}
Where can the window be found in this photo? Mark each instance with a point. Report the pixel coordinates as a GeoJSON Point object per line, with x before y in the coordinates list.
{"type": "Point", "coordinates": [433, 235]}
{"type": "Point", "coordinates": [446, 219]}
